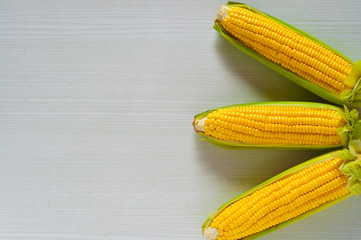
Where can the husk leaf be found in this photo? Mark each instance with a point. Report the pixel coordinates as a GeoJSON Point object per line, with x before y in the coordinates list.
{"type": "Point", "coordinates": [352, 167]}
{"type": "Point", "coordinates": [353, 96]}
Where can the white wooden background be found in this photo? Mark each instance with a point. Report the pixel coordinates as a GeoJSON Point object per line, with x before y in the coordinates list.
{"type": "Point", "coordinates": [96, 104]}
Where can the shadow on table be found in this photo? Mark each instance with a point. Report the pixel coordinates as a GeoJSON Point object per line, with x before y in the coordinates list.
{"type": "Point", "coordinates": [249, 167]}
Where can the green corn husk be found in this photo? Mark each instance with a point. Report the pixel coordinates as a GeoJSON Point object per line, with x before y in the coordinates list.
{"type": "Point", "coordinates": [351, 168]}
{"type": "Point", "coordinates": [351, 130]}
{"type": "Point", "coordinates": [351, 98]}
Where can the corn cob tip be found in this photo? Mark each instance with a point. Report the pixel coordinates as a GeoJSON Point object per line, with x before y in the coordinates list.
{"type": "Point", "coordinates": [223, 13]}
{"type": "Point", "coordinates": [211, 233]}
{"type": "Point", "coordinates": [199, 124]}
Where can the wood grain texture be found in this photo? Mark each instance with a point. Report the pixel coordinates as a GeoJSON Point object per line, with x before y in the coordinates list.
{"type": "Point", "coordinates": [96, 104]}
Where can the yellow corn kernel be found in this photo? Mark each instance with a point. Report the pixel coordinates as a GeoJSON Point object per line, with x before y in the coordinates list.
{"type": "Point", "coordinates": [262, 124]}
{"type": "Point", "coordinates": [287, 48]}
{"type": "Point", "coordinates": [280, 201]}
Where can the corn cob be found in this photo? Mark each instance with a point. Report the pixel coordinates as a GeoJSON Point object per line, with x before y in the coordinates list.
{"type": "Point", "coordinates": [287, 198]}
{"type": "Point", "coordinates": [294, 125]}
{"type": "Point", "coordinates": [291, 52]}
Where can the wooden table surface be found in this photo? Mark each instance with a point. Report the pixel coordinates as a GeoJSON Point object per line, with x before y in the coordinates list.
{"type": "Point", "coordinates": [96, 104]}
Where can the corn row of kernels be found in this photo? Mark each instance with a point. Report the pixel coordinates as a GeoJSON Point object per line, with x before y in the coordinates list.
{"type": "Point", "coordinates": [254, 136]}
{"type": "Point", "coordinates": [290, 111]}
{"type": "Point", "coordinates": [222, 120]}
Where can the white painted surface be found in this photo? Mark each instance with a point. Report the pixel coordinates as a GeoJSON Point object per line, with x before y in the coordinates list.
{"type": "Point", "coordinates": [96, 104]}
